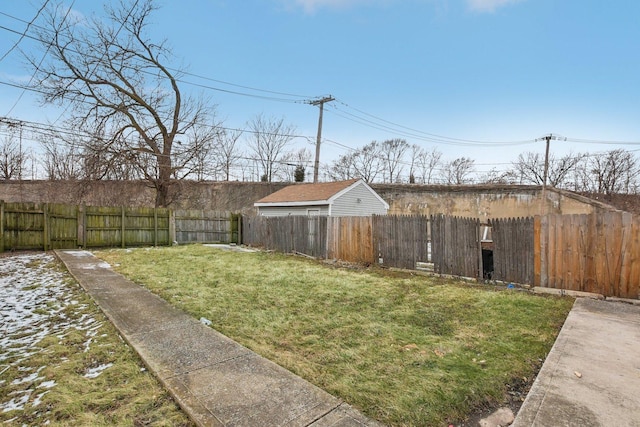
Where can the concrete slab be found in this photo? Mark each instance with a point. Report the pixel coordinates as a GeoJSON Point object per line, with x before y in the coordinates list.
{"type": "Point", "coordinates": [182, 347]}
{"type": "Point", "coordinates": [592, 374]}
{"type": "Point", "coordinates": [218, 382]}
{"type": "Point", "coordinates": [251, 389]}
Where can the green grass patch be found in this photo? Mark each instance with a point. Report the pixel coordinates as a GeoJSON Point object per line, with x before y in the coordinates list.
{"type": "Point", "coordinates": [408, 350]}
{"type": "Point", "coordinates": [48, 382]}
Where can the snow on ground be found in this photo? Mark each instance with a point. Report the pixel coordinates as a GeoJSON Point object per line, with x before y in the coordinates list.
{"type": "Point", "coordinates": [34, 297]}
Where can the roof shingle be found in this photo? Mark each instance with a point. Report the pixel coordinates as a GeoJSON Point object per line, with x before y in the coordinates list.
{"type": "Point", "coordinates": [307, 192]}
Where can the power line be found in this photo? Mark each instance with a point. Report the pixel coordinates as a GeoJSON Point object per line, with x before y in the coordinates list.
{"type": "Point", "coordinates": [24, 33]}
{"type": "Point", "coordinates": [301, 99]}
{"type": "Point", "coordinates": [361, 117]}
{"type": "Point", "coordinates": [44, 55]}
{"type": "Point", "coordinates": [427, 135]}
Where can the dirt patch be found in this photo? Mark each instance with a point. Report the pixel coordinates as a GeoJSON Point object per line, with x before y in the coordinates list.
{"type": "Point", "coordinates": [517, 391]}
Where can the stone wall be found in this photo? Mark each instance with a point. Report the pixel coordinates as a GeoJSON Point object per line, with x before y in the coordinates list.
{"type": "Point", "coordinates": [484, 202]}
{"type": "Point", "coordinates": [224, 196]}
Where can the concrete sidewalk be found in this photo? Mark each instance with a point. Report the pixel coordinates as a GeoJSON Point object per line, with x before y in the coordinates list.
{"type": "Point", "coordinates": [215, 380]}
{"type": "Point", "coordinates": [592, 374]}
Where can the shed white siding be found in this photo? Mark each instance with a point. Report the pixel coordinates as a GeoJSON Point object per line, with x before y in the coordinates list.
{"type": "Point", "coordinates": [358, 201]}
{"type": "Point", "coordinates": [293, 210]}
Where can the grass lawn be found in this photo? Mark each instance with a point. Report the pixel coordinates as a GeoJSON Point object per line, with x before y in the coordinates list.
{"type": "Point", "coordinates": [62, 363]}
{"type": "Point", "coordinates": [405, 349]}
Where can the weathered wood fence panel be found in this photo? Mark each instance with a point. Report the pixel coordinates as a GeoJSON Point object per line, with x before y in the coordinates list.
{"type": "Point", "coordinates": [27, 226]}
{"type": "Point", "coordinates": [597, 253]}
{"type": "Point", "coordinates": [401, 241]}
{"type": "Point", "coordinates": [204, 226]}
{"type": "Point", "coordinates": [23, 226]}
{"type": "Point", "coordinates": [455, 246]}
{"type": "Point", "coordinates": [513, 249]}
{"type": "Point", "coordinates": [350, 238]}
{"type": "Point", "coordinates": [302, 234]}
{"type": "Point", "coordinates": [62, 226]}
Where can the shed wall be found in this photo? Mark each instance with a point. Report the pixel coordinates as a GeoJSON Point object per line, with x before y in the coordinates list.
{"type": "Point", "coordinates": [292, 210]}
{"type": "Point", "coordinates": [347, 204]}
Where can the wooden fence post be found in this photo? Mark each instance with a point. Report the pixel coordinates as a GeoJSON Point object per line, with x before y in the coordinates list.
{"type": "Point", "coordinates": [155, 226]}
{"type": "Point", "coordinates": [172, 227]}
{"type": "Point", "coordinates": [123, 228]}
{"type": "Point", "coordinates": [45, 226]}
{"type": "Point", "coordinates": [479, 262]}
{"type": "Point", "coordinates": [81, 226]}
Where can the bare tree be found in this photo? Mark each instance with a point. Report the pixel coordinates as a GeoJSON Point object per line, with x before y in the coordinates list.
{"type": "Point", "coordinates": [343, 168]}
{"type": "Point", "coordinates": [268, 140]}
{"type": "Point", "coordinates": [118, 85]}
{"type": "Point", "coordinates": [427, 163]}
{"type": "Point", "coordinates": [414, 152]}
{"type": "Point", "coordinates": [227, 151]}
{"type": "Point", "coordinates": [195, 152]}
{"type": "Point", "coordinates": [61, 161]}
{"type": "Point", "coordinates": [392, 152]}
{"type": "Point", "coordinates": [494, 176]}
{"type": "Point", "coordinates": [457, 171]}
{"type": "Point", "coordinates": [530, 168]}
{"type": "Point", "coordinates": [366, 161]}
{"type": "Point", "coordinates": [12, 159]}
{"type": "Point", "coordinates": [615, 171]}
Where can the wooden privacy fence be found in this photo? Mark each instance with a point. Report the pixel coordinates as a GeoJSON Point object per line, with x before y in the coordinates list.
{"type": "Point", "coordinates": [364, 240]}
{"type": "Point", "coordinates": [206, 226]}
{"type": "Point", "coordinates": [113, 226]}
{"type": "Point", "coordinates": [37, 226]}
{"type": "Point", "coordinates": [513, 250]}
{"type": "Point", "coordinates": [401, 241]}
{"type": "Point", "coordinates": [597, 253]}
{"type": "Point", "coordinates": [350, 238]}
{"type": "Point", "coordinates": [456, 246]}
{"type": "Point", "coordinates": [301, 234]}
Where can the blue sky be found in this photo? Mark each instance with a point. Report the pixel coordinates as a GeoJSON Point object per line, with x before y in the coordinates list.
{"type": "Point", "coordinates": [481, 70]}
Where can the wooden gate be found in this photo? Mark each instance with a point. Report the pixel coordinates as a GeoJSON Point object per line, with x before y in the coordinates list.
{"type": "Point", "coordinates": [456, 246]}
{"type": "Point", "coordinates": [513, 250]}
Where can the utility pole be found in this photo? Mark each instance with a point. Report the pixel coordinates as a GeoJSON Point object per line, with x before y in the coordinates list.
{"type": "Point", "coordinates": [548, 139]}
{"type": "Point", "coordinates": [320, 102]}
{"type": "Point", "coordinates": [546, 161]}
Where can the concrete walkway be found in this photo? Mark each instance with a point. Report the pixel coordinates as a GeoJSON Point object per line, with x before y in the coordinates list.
{"type": "Point", "coordinates": [592, 374]}
{"type": "Point", "coordinates": [215, 380]}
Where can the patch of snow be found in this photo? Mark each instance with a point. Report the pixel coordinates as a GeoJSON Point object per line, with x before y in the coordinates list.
{"type": "Point", "coordinates": [36, 301]}
{"type": "Point", "coordinates": [28, 379]}
{"type": "Point", "coordinates": [96, 266]}
{"type": "Point", "coordinates": [78, 253]}
{"type": "Point", "coordinates": [17, 403]}
{"type": "Point", "coordinates": [38, 399]}
{"type": "Point", "coordinates": [47, 384]}
{"type": "Point", "coordinates": [94, 372]}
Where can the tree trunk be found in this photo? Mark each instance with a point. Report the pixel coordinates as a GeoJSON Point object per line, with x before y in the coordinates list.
{"type": "Point", "coordinates": [163, 182]}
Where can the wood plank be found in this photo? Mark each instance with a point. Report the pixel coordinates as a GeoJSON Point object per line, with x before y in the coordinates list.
{"type": "Point", "coordinates": [537, 251]}
{"type": "Point", "coordinates": [634, 261]}
{"type": "Point", "coordinates": [626, 255]}
{"type": "Point", "coordinates": [551, 248]}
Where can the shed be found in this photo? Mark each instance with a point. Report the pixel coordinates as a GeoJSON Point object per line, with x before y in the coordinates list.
{"type": "Point", "coordinates": [341, 198]}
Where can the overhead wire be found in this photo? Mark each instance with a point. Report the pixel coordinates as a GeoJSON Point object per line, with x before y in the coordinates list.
{"type": "Point", "coordinates": [362, 117]}
{"type": "Point", "coordinates": [434, 137]}
{"type": "Point", "coordinates": [44, 55]}
{"type": "Point", "coordinates": [24, 33]}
